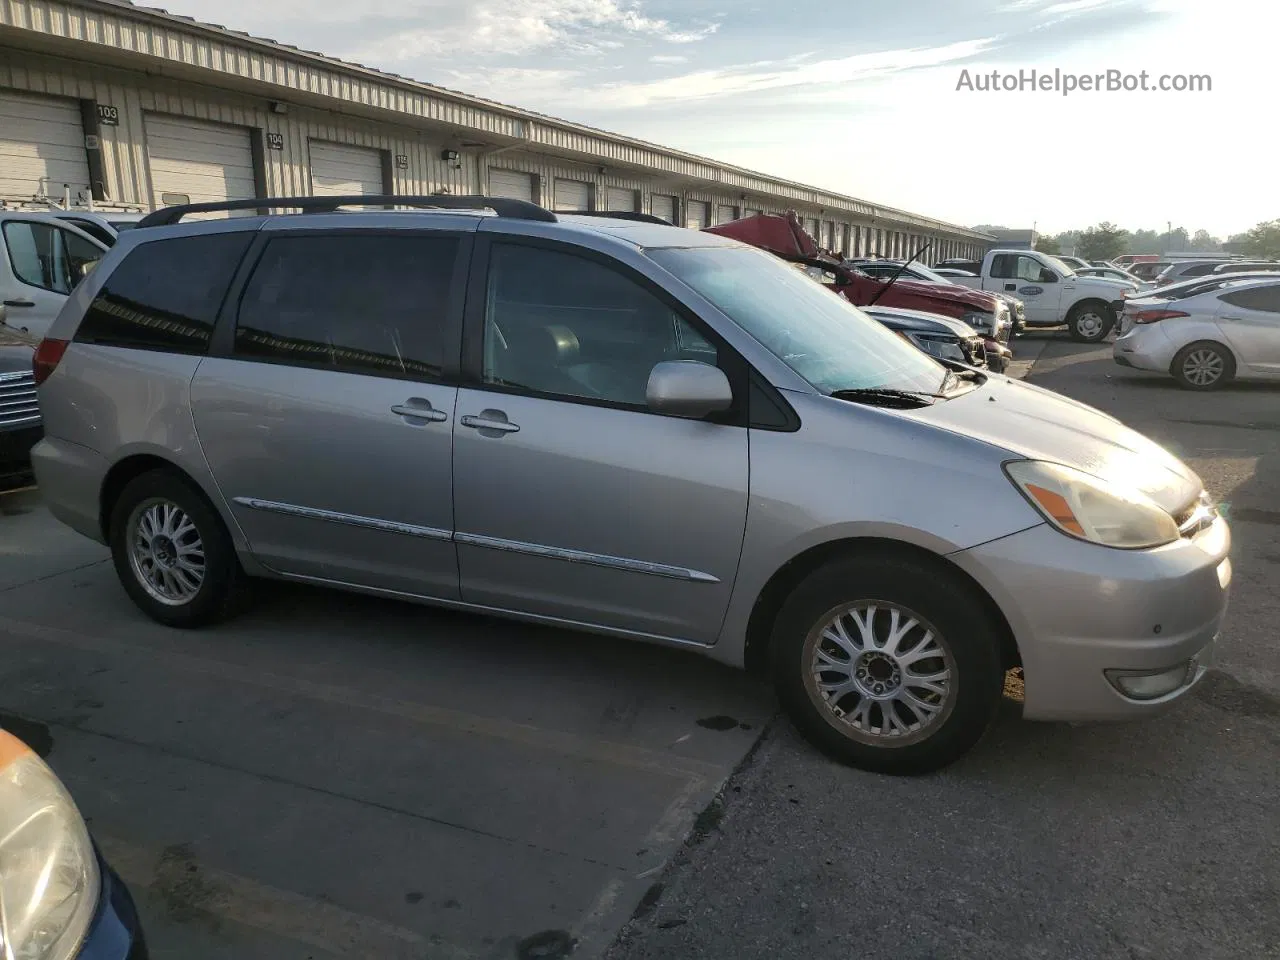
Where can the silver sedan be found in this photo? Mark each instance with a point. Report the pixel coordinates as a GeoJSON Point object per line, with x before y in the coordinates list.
{"type": "Point", "coordinates": [1207, 335]}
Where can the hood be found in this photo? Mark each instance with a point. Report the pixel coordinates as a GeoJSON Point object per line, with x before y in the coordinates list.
{"type": "Point", "coordinates": [948, 293]}
{"type": "Point", "coordinates": [1039, 424]}
{"type": "Point", "coordinates": [1109, 282]}
{"type": "Point", "coordinates": [917, 321]}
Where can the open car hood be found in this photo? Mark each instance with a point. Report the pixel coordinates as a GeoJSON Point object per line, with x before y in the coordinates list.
{"type": "Point", "coordinates": [786, 237]}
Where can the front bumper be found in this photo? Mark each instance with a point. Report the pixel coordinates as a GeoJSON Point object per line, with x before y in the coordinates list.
{"type": "Point", "coordinates": [1078, 610]}
{"type": "Point", "coordinates": [1144, 346]}
{"type": "Point", "coordinates": [15, 451]}
{"type": "Point", "coordinates": [116, 932]}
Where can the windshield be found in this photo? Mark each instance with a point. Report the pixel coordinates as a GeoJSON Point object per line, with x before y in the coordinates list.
{"type": "Point", "coordinates": [1061, 266]}
{"type": "Point", "coordinates": [820, 335]}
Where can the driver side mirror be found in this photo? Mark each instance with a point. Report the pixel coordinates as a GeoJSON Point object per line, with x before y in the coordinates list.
{"type": "Point", "coordinates": [688, 388]}
{"type": "Point", "coordinates": [1048, 276]}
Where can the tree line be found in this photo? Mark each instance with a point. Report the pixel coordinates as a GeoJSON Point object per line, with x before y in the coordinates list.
{"type": "Point", "coordinates": [1106, 240]}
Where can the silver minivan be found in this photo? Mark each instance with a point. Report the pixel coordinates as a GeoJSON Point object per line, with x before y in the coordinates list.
{"type": "Point", "coordinates": [616, 425]}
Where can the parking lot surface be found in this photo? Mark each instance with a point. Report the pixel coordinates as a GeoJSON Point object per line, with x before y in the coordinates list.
{"type": "Point", "coordinates": [1157, 839]}
{"type": "Point", "coordinates": [337, 776]}
{"type": "Point", "coordinates": [332, 775]}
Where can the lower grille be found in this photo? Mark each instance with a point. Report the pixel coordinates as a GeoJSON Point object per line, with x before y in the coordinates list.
{"type": "Point", "coordinates": [18, 405]}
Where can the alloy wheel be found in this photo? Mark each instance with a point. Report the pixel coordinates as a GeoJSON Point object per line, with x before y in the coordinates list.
{"type": "Point", "coordinates": [880, 672]}
{"type": "Point", "coordinates": [1203, 367]}
{"type": "Point", "coordinates": [166, 552]}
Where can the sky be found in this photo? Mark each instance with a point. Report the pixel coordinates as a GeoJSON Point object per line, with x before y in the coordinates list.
{"type": "Point", "coordinates": [877, 100]}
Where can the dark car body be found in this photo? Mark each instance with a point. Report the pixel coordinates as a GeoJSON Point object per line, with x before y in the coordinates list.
{"type": "Point", "coordinates": [937, 335]}
{"type": "Point", "coordinates": [19, 412]}
{"type": "Point", "coordinates": [116, 932]}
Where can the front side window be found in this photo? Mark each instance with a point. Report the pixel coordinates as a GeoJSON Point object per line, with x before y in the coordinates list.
{"type": "Point", "coordinates": [820, 335]}
{"type": "Point", "coordinates": [166, 294]}
{"type": "Point", "coordinates": [355, 303]}
{"type": "Point", "coordinates": [561, 325]}
{"type": "Point", "coordinates": [47, 256]}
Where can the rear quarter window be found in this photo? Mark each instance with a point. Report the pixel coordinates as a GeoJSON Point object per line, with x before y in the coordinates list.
{"type": "Point", "coordinates": [165, 295]}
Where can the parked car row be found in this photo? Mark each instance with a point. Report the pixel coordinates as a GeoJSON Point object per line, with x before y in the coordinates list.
{"type": "Point", "coordinates": [627, 428]}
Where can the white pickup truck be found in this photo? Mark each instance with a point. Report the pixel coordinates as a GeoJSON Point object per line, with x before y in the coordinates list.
{"type": "Point", "coordinates": [1053, 293]}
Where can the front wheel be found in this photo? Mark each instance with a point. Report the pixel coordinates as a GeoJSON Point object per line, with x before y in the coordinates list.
{"type": "Point", "coordinates": [887, 664]}
{"type": "Point", "coordinates": [1090, 322]}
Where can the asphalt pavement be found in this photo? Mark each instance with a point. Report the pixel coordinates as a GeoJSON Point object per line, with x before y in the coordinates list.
{"type": "Point", "coordinates": [339, 776]}
{"type": "Point", "coordinates": [1157, 839]}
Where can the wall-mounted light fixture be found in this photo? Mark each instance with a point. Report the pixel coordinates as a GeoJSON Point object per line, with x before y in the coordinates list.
{"type": "Point", "coordinates": [452, 157]}
{"type": "Point", "coordinates": [278, 107]}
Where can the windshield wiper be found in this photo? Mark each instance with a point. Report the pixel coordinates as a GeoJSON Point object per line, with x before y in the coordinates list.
{"type": "Point", "coordinates": [894, 279]}
{"type": "Point", "coordinates": [884, 396]}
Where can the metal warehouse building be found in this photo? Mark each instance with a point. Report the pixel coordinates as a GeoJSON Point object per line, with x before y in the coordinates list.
{"type": "Point", "coordinates": [130, 106]}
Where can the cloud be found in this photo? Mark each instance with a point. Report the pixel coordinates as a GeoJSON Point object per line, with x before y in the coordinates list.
{"type": "Point", "coordinates": [797, 72]}
{"type": "Point", "coordinates": [518, 27]}
{"type": "Point", "coordinates": [668, 58]}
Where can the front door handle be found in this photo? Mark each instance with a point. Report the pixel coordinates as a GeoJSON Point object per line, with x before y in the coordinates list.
{"type": "Point", "coordinates": [1233, 318]}
{"type": "Point", "coordinates": [19, 303]}
{"type": "Point", "coordinates": [419, 409]}
{"type": "Point", "coordinates": [494, 420]}
{"type": "Point", "coordinates": [1011, 286]}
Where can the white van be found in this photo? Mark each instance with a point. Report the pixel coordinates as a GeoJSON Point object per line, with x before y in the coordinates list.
{"type": "Point", "coordinates": [42, 258]}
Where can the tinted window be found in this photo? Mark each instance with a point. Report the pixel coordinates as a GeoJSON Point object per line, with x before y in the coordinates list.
{"type": "Point", "coordinates": [46, 256]}
{"type": "Point", "coordinates": [563, 325]}
{"type": "Point", "coordinates": [371, 304]}
{"type": "Point", "coordinates": [166, 294]}
{"type": "Point", "coordinates": [1002, 266]}
{"type": "Point", "coordinates": [1199, 270]}
{"type": "Point", "coordinates": [1255, 298]}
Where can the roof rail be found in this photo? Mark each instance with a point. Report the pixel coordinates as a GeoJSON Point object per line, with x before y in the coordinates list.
{"type": "Point", "coordinates": [503, 207]}
{"type": "Point", "coordinates": [620, 215]}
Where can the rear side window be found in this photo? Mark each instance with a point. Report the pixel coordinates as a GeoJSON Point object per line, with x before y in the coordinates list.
{"type": "Point", "coordinates": [371, 304]}
{"type": "Point", "coordinates": [1255, 298]}
{"type": "Point", "coordinates": [166, 294]}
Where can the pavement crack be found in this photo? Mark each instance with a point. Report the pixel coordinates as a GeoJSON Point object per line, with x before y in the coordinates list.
{"type": "Point", "coordinates": [54, 576]}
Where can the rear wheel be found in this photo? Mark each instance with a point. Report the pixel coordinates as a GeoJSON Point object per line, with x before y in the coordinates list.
{"type": "Point", "coordinates": [888, 664]}
{"type": "Point", "coordinates": [172, 553]}
{"type": "Point", "coordinates": [1204, 365]}
{"type": "Point", "coordinates": [1091, 321]}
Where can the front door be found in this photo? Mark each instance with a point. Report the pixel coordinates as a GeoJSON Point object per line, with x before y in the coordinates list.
{"type": "Point", "coordinates": [572, 500]}
{"type": "Point", "coordinates": [45, 261]}
{"type": "Point", "coordinates": [327, 419]}
{"type": "Point", "coordinates": [1038, 287]}
{"type": "Point", "coordinates": [1250, 321]}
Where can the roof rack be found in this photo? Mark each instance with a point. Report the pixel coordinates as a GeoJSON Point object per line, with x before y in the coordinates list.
{"type": "Point", "coordinates": [503, 207]}
{"type": "Point", "coordinates": [620, 215]}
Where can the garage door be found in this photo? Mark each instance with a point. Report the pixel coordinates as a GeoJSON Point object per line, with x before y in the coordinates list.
{"type": "Point", "coordinates": [620, 199]}
{"type": "Point", "coordinates": [664, 207]}
{"type": "Point", "coordinates": [196, 162]}
{"type": "Point", "coordinates": [572, 195]}
{"type": "Point", "coordinates": [697, 216]}
{"type": "Point", "coordinates": [41, 142]}
{"type": "Point", "coordinates": [725, 213]}
{"type": "Point", "coordinates": [752, 212]}
{"type": "Point", "coordinates": [511, 184]}
{"type": "Point", "coordinates": [339, 169]}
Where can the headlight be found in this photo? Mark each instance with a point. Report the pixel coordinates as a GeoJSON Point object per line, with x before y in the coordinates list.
{"type": "Point", "coordinates": [979, 320]}
{"type": "Point", "coordinates": [48, 871]}
{"type": "Point", "coordinates": [946, 349]}
{"type": "Point", "coordinates": [1088, 508]}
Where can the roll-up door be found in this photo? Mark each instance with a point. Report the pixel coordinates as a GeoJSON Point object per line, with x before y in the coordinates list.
{"type": "Point", "coordinates": [192, 161]}
{"type": "Point", "coordinates": [697, 215]}
{"type": "Point", "coordinates": [725, 213]}
{"type": "Point", "coordinates": [811, 227]}
{"type": "Point", "coordinates": [664, 207]}
{"type": "Point", "coordinates": [339, 169]}
{"type": "Point", "coordinates": [511, 184]}
{"type": "Point", "coordinates": [620, 198]}
{"type": "Point", "coordinates": [752, 212]}
{"type": "Point", "coordinates": [572, 195]}
{"type": "Point", "coordinates": [41, 147]}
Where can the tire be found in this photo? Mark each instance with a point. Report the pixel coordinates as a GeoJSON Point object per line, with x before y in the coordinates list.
{"type": "Point", "coordinates": [964, 634]}
{"type": "Point", "coordinates": [217, 593]}
{"type": "Point", "coordinates": [1091, 321]}
{"type": "Point", "coordinates": [1195, 364]}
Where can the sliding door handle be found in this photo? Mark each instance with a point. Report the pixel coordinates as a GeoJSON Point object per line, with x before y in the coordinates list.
{"type": "Point", "coordinates": [418, 409]}
{"type": "Point", "coordinates": [490, 420]}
